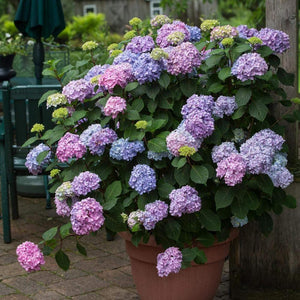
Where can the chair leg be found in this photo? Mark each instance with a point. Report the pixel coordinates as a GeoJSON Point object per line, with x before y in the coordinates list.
{"type": "Point", "coordinates": [14, 197]}
{"type": "Point", "coordinates": [48, 198]}
{"type": "Point", "coordinates": [5, 199]}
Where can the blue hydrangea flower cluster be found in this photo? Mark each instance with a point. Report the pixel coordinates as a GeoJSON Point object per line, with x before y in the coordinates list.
{"type": "Point", "coordinates": [126, 57]}
{"type": "Point", "coordinates": [224, 106]}
{"type": "Point", "coordinates": [142, 179]}
{"type": "Point", "coordinates": [237, 222]}
{"type": "Point", "coordinates": [122, 149]}
{"type": "Point", "coordinates": [280, 176]}
{"type": "Point", "coordinates": [85, 183]}
{"type": "Point", "coordinates": [169, 261]}
{"type": "Point", "coordinates": [140, 44]}
{"type": "Point", "coordinates": [32, 164]}
{"type": "Point", "coordinates": [195, 33]}
{"type": "Point", "coordinates": [153, 213]}
{"type": "Point", "coordinates": [157, 156]}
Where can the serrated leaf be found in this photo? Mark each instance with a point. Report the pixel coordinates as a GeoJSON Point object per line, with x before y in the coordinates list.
{"type": "Point", "coordinates": [152, 91]}
{"type": "Point", "coordinates": [224, 197]}
{"type": "Point", "coordinates": [239, 113]}
{"type": "Point", "coordinates": [131, 86]}
{"type": "Point", "coordinates": [264, 51]}
{"type": "Point", "coordinates": [113, 190]}
{"type": "Point", "coordinates": [132, 115]}
{"type": "Point", "coordinates": [64, 230]}
{"type": "Point", "coordinates": [258, 110]}
{"type": "Point", "coordinates": [157, 145]}
{"type": "Point", "coordinates": [42, 156]}
{"type": "Point", "coordinates": [188, 87]}
{"type": "Point", "coordinates": [30, 141]}
{"type": "Point", "coordinates": [243, 96]}
{"type": "Point", "coordinates": [164, 80]}
{"type": "Point", "coordinates": [213, 60]}
{"type": "Point", "coordinates": [215, 87]}
{"type": "Point", "coordinates": [182, 175]}
{"type": "Point", "coordinates": [209, 219]}
{"type": "Point", "coordinates": [49, 234]}
{"type": "Point", "coordinates": [138, 104]}
{"type": "Point", "coordinates": [164, 189]}
{"type": "Point", "coordinates": [109, 204]}
{"type": "Point", "coordinates": [81, 249]}
{"type": "Point", "coordinates": [251, 199]}
{"type": "Point", "coordinates": [199, 174]}
{"type": "Point", "coordinates": [62, 260]}
{"type": "Point", "coordinates": [224, 73]}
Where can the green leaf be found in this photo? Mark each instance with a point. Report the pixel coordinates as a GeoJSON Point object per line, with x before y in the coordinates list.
{"type": "Point", "coordinates": [132, 115]}
{"type": "Point", "coordinates": [172, 230]}
{"type": "Point", "coordinates": [274, 60]}
{"type": "Point", "coordinates": [285, 78]}
{"type": "Point", "coordinates": [114, 221]}
{"type": "Point", "coordinates": [251, 199]}
{"type": "Point", "coordinates": [213, 60]}
{"type": "Point", "coordinates": [113, 190]}
{"type": "Point", "coordinates": [224, 197]}
{"type": "Point", "coordinates": [45, 96]}
{"type": "Point", "coordinates": [215, 87]}
{"type": "Point", "coordinates": [209, 219]}
{"type": "Point", "coordinates": [110, 203]}
{"type": "Point", "coordinates": [131, 86]}
{"type": "Point", "coordinates": [290, 202]}
{"type": "Point", "coordinates": [42, 156]}
{"type": "Point", "coordinates": [136, 238]}
{"type": "Point", "coordinates": [206, 238]}
{"type": "Point", "coordinates": [81, 63]}
{"type": "Point", "coordinates": [178, 162]}
{"type": "Point", "coordinates": [64, 230]}
{"type": "Point", "coordinates": [81, 249]}
{"type": "Point", "coordinates": [62, 260]}
{"type": "Point", "coordinates": [190, 254]}
{"type": "Point", "coordinates": [264, 51]}
{"type": "Point", "coordinates": [151, 105]}
{"type": "Point", "coordinates": [30, 141]}
{"type": "Point", "coordinates": [49, 234]}
{"type": "Point", "coordinates": [188, 87]}
{"type": "Point", "coordinates": [165, 104]}
{"type": "Point", "coordinates": [164, 80]}
{"type": "Point", "coordinates": [196, 157]}
{"type": "Point", "coordinates": [265, 223]}
{"type": "Point", "coordinates": [224, 73]}
{"type": "Point", "coordinates": [138, 104]}
{"type": "Point", "coordinates": [164, 189]}
{"type": "Point", "coordinates": [265, 184]}
{"type": "Point", "coordinates": [157, 144]}
{"type": "Point", "coordinates": [240, 207]}
{"type": "Point", "coordinates": [242, 48]}
{"type": "Point", "coordinates": [258, 110]}
{"type": "Point", "coordinates": [296, 100]}
{"type": "Point", "coordinates": [182, 175]}
{"type": "Point", "coordinates": [47, 250]}
{"type": "Point", "coordinates": [201, 257]}
{"type": "Point", "coordinates": [199, 174]}
{"type": "Point", "coordinates": [157, 123]}
{"type": "Point", "coordinates": [239, 113]}
{"type": "Point", "coordinates": [152, 91]}
{"type": "Point", "coordinates": [243, 96]}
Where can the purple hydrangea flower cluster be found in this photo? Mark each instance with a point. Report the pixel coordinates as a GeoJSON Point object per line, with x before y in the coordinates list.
{"type": "Point", "coordinates": [280, 176]}
{"type": "Point", "coordinates": [195, 102]}
{"type": "Point", "coordinates": [195, 33]}
{"type": "Point", "coordinates": [114, 106]}
{"type": "Point", "coordinates": [95, 71]}
{"type": "Point", "coordinates": [223, 151]}
{"type": "Point", "coordinates": [157, 156]}
{"type": "Point", "coordinates": [62, 207]}
{"type": "Point", "coordinates": [32, 164]}
{"type": "Point", "coordinates": [126, 57]}
{"type": "Point", "coordinates": [140, 44]}
{"type": "Point", "coordinates": [184, 201]}
{"type": "Point", "coordinates": [78, 90]}
{"type": "Point", "coordinates": [245, 32]}
{"type": "Point", "coordinates": [146, 69]}
{"type": "Point", "coordinates": [87, 133]}
{"type": "Point", "coordinates": [249, 65]}
{"type": "Point", "coordinates": [224, 106]}
{"type": "Point", "coordinates": [169, 261]}
{"type": "Point", "coordinates": [85, 183]}
{"type": "Point", "coordinates": [86, 216]}
{"type": "Point", "coordinates": [122, 149]}
{"type": "Point", "coordinates": [142, 179]}
{"type": "Point", "coordinates": [167, 29]}
{"type": "Point", "coordinates": [277, 40]}
{"type": "Point", "coordinates": [237, 222]}
{"type": "Point", "coordinates": [30, 256]}
{"type": "Point", "coordinates": [153, 213]}
{"type": "Point", "coordinates": [70, 146]}
{"type": "Point", "coordinates": [183, 59]}
{"type": "Point", "coordinates": [232, 168]}
{"type": "Point", "coordinates": [120, 74]}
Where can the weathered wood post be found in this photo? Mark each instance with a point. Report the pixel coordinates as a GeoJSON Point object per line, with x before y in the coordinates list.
{"type": "Point", "coordinates": [274, 262]}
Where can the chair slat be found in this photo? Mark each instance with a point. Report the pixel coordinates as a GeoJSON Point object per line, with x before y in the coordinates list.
{"type": "Point", "coordinates": [34, 113]}
{"type": "Point", "coordinates": [21, 124]}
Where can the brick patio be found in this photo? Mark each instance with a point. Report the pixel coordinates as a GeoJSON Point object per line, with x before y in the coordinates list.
{"type": "Point", "coordinates": [104, 274]}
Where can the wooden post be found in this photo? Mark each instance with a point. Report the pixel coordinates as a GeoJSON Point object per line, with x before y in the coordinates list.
{"type": "Point", "coordinates": [273, 262]}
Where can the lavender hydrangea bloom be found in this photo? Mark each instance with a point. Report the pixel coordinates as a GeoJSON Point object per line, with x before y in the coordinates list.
{"type": "Point", "coordinates": [85, 183]}
{"type": "Point", "coordinates": [86, 216]}
{"type": "Point", "coordinates": [78, 90]}
{"type": "Point", "coordinates": [249, 65]}
{"type": "Point", "coordinates": [126, 57]}
{"type": "Point", "coordinates": [32, 164]}
{"type": "Point", "coordinates": [277, 40]}
{"type": "Point", "coordinates": [200, 124]}
{"type": "Point", "coordinates": [280, 176]}
{"type": "Point", "coordinates": [154, 212]}
{"type": "Point", "coordinates": [223, 151]}
{"type": "Point", "coordinates": [195, 33]}
{"type": "Point", "coordinates": [122, 149]}
{"type": "Point", "coordinates": [232, 168]}
{"type": "Point", "coordinates": [94, 71]}
{"type": "Point", "coordinates": [184, 201]}
{"type": "Point", "coordinates": [157, 156]}
{"type": "Point", "coordinates": [140, 44]}
{"type": "Point", "coordinates": [237, 222]}
{"type": "Point", "coordinates": [30, 256]}
{"type": "Point", "coordinates": [62, 207]}
{"type": "Point", "coordinates": [87, 133]}
{"type": "Point", "coordinates": [167, 29]}
{"type": "Point", "coordinates": [169, 261]}
{"type": "Point", "coordinates": [100, 139]}
{"type": "Point", "coordinates": [183, 59]}
{"type": "Point", "coordinates": [224, 106]}
{"type": "Point", "coordinates": [195, 102]}
{"type": "Point", "coordinates": [268, 138]}
{"type": "Point", "coordinates": [146, 69]}
{"type": "Point", "coordinates": [142, 179]}
{"type": "Point", "coordinates": [245, 32]}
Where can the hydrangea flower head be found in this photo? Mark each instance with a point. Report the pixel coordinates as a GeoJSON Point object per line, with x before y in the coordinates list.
{"type": "Point", "coordinates": [224, 106]}
{"type": "Point", "coordinates": [277, 40]}
{"type": "Point", "coordinates": [56, 99]}
{"type": "Point", "coordinates": [158, 53]}
{"type": "Point", "coordinates": [130, 35]}
{"type": "Point", "coordinates": [245, 32]}
{"type": "Point", "coordinates": [142, 124]}
{"type": "Point", "coordinates": [85, 183]}
{"type": "Point", "coordinates": [78, 90]}
{"type": "Point", "coordinates": [197, 103]}
{"type": "Point", "coordinates": [114, 106]}
{"type": "Point", "coordinates": [221, 32]}
{"type": "Point", "coordinates": [54, 172]}
{"type": "Point", "coordinates": [87, 133]}
{"type": "Point", "coordinates": [30, 256]}
{"type": "Point", "coordinates": [169, 262]}
{"type": "Point", "coordinates": [280, 159]}
{"type": "Point", "coordinates": [126, 57]}
{"type": "Point", "coordinates": [223, 151]}
{"type": "Point", "coordinates": [135, 21]}
{"type": "Point", "coordinates": [134, 218]}
{"type": "Point", "coordinates": [140, 44]}
{"type": "Point", "coordinates": [184, 201]}
{"type": "Point", "coordinates": [64, 191]}
{"type": "Point", "coordinates": [249, 65]}
{"type": "Point", "coordinates": [153, 213]}
{"type": "Point", "coordinates": [176, 38]}
{"type": "Point", "coordinates": [122, 149]}
{"type": "Point", "coordinates": [157, 156]}
{"type": "Point", "coordinates": [237, 222]}
{"type": "Point", "coordinates": [232, 168]}
{"type": "Point", "coordinates": [37, 128]}
{"type": "Point", "coordinates": [280, 176]}
{"type": "Point", "coordinates": [255, 40]}
{"type": "Point", "coordinates": [195, 33]}
{"type": "Point", "coordinates": [227, 42]}
{"type": "Point", "coordinates": [70, 146]}
{"type": "Point", "coordinates": [86, 216]}
{"type": "Point", "coordinates": [95, 71]}
{"type": "Point", "coordinates": [142, 179]}
{"type": "Point", "coordinates": [33, 166]}
{"type": "Point", "coordinates": [89, 46]}
{"type": "Point", "coordinates": [60, 113]}
{"type": "Point", "coordinates": [63, 209]}
{"type": "Point", "coordinates": [208, 25]}
{"type": "Point", "coordinates": [160, 20]}
{"type": "Point", "coordinates": [186, 151]}
{"type": "Point", "coordinates": [112, 46]}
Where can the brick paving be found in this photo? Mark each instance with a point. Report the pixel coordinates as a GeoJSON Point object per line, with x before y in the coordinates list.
{"type": "Point", "coordinates": [104, 274]}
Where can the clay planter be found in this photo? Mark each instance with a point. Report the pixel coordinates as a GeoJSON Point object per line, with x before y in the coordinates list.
{"type": "Point", "coordinates": [198, 282]}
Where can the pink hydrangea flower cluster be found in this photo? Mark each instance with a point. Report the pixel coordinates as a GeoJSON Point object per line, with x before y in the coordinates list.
{"type": "Point", "coordinates": [70, 146]}
{"type": "Point", "coordinates": [63, 209]}
{"type": "Point", "coordinates": [30, 256]}
{"type": "Point", "coordinates": [86, 216]}
{"type": "Point", "coordinates": [114, 106]}
{"type": "Point", "coordinates": [116, 75]}
{"type": "Point", "coordinates": [169, 261]}
{"type": "Point", "coordinates": [78, 90]}
{"type": "Point", "coordinates": [85, 183]}
{"type": "Point", "coordinates": [184, 201]}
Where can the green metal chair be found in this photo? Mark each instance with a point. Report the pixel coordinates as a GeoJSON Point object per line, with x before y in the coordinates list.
{"type": "Point", "coordinates": [21, 112]}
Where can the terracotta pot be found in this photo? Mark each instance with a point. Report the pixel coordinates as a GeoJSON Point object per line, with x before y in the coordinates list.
{"type": "Point", "coordinates": [198, 282]}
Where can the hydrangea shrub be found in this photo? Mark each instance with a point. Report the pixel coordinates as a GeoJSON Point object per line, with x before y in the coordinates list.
{"type": "Point", "coordinates": [171, 137]}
